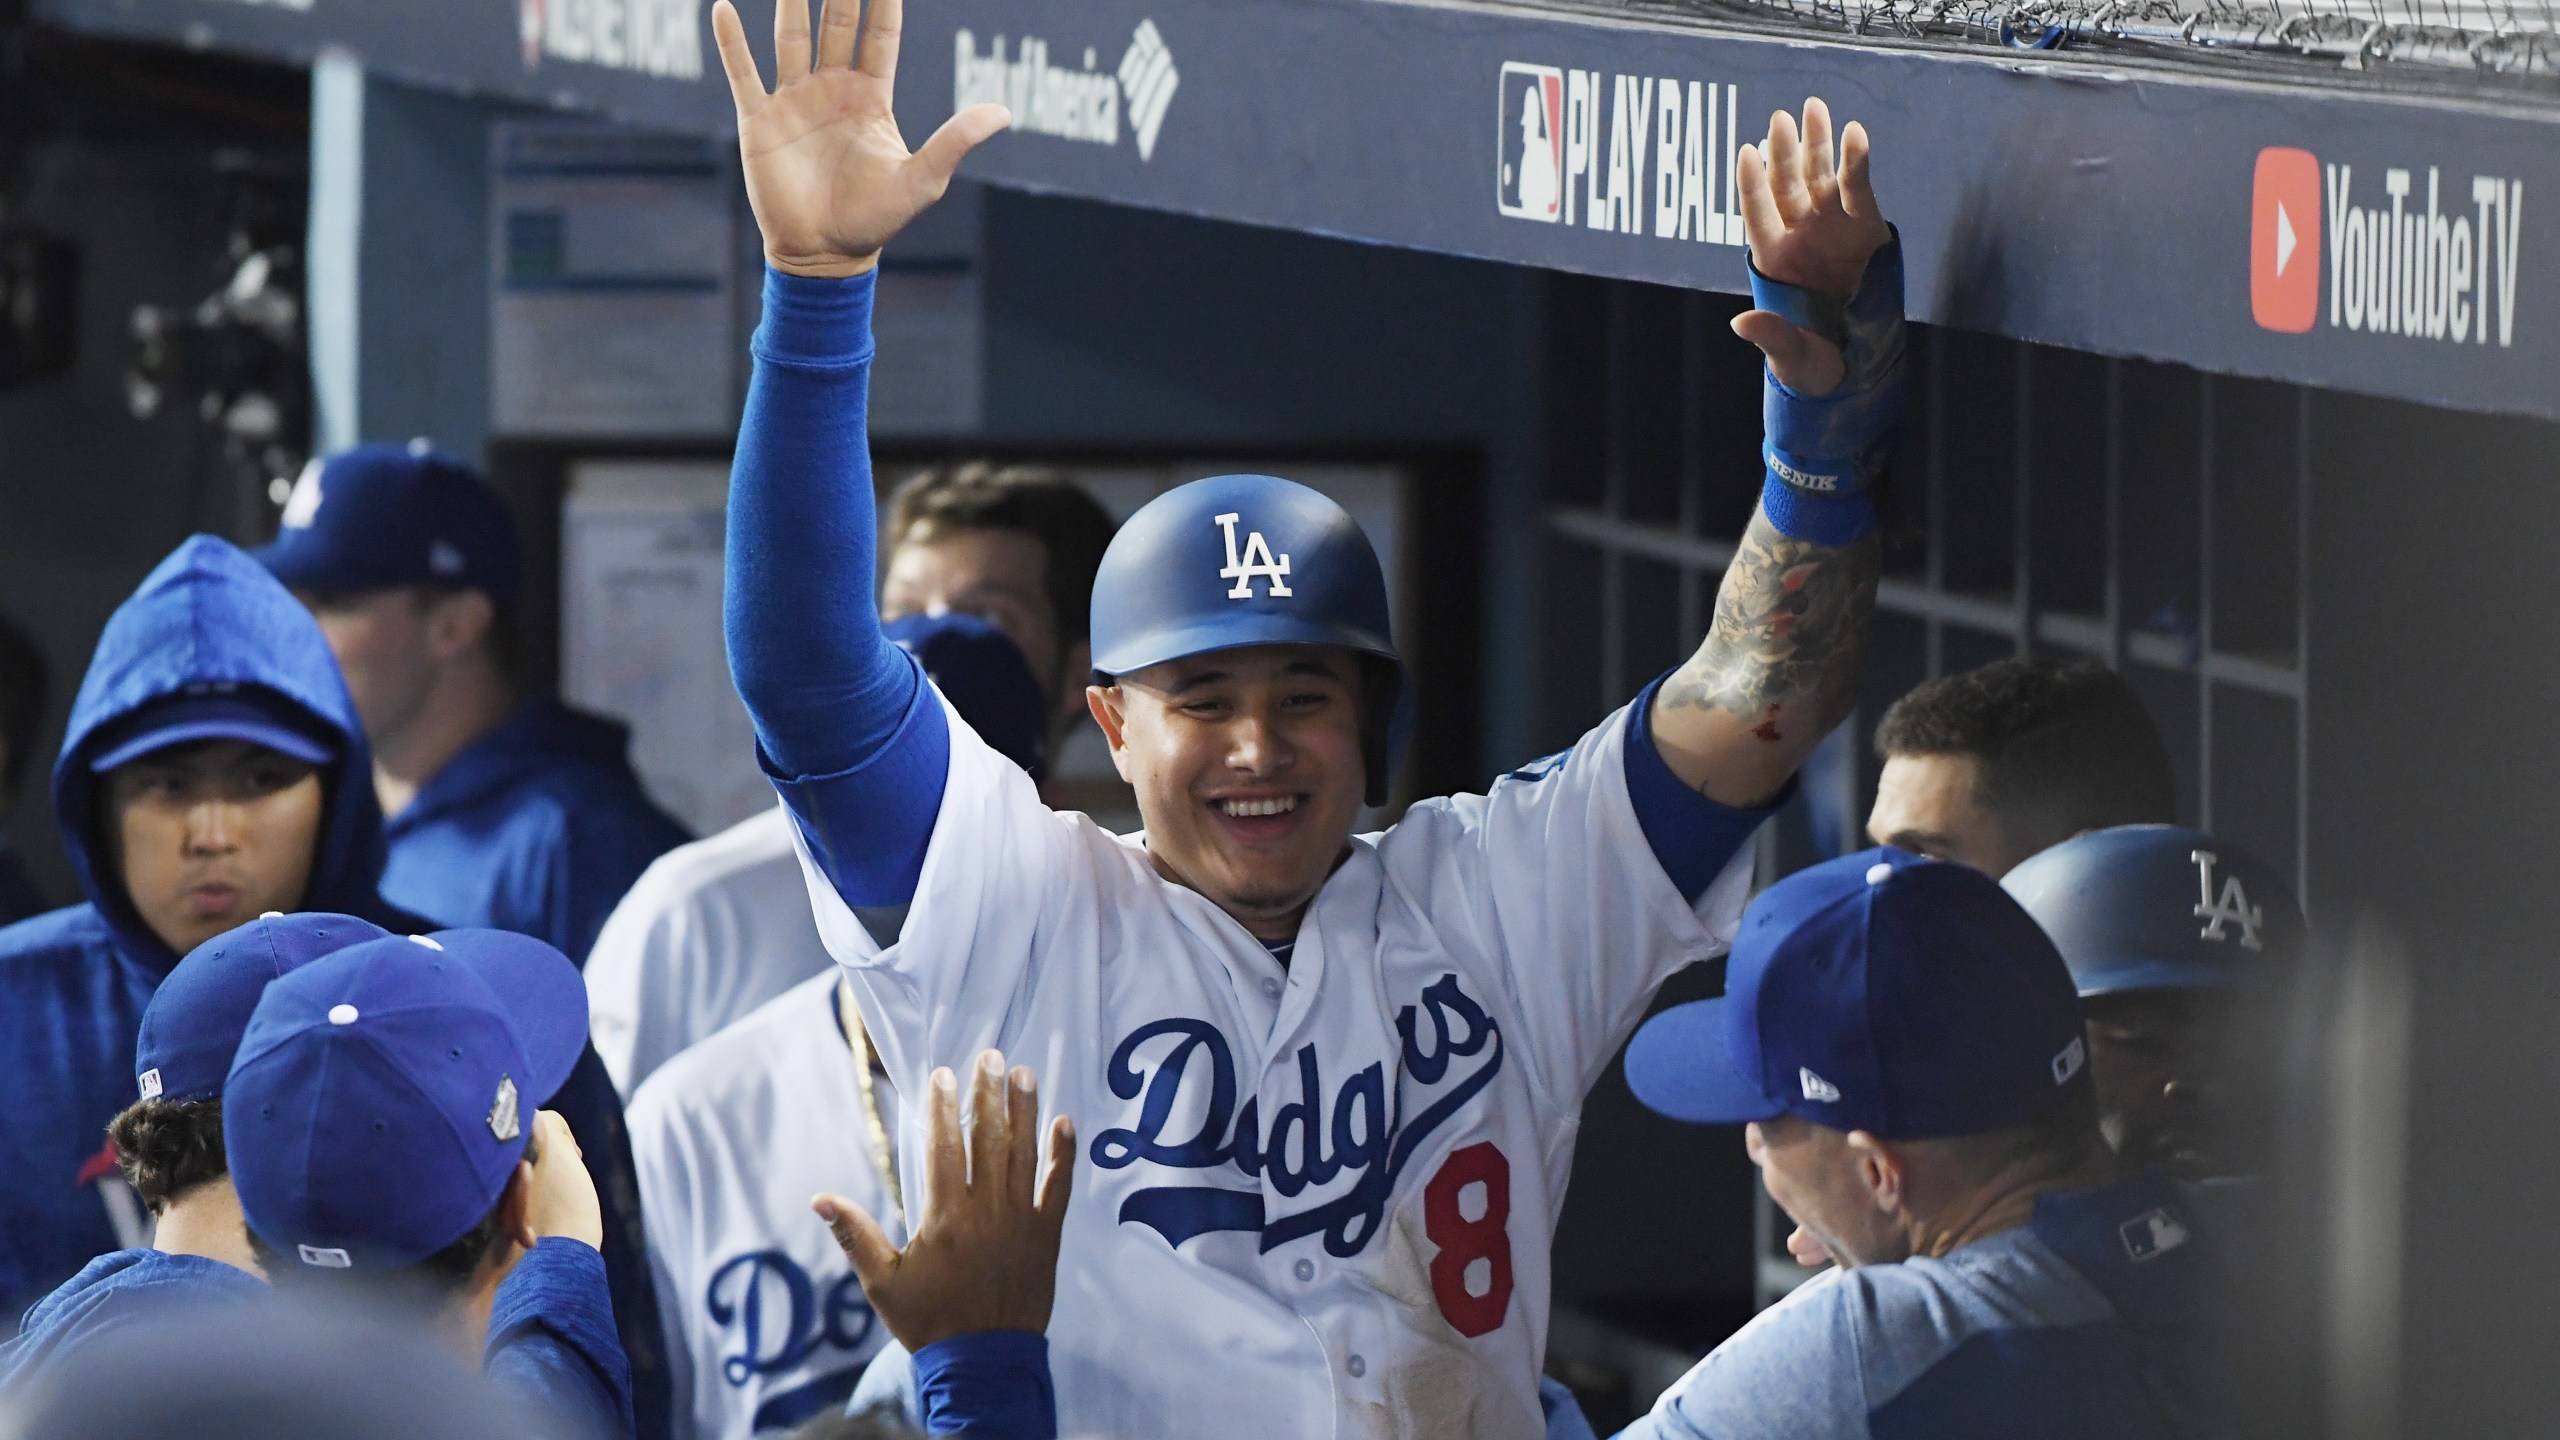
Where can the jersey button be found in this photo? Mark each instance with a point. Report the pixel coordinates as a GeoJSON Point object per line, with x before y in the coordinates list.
{"type": "Point", "coordinates": [1306, 1270]}
{"type": "Point", "coordinates": [1270, 989]}
{"type": "Point", "coordinates": [1357, 1366]}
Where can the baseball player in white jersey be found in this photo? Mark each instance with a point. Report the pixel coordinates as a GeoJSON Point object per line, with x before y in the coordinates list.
{"type": "Point", "coordinates": [1328, 1085]}
{"type": "Point", "coordinates": [764, 1320]}
{"type": "Point", "coordinates": [766, 1326]}
{"type": "Point", "coordinates": [709, 931]}
{"type": "Point", "coordinates": [716, 928]}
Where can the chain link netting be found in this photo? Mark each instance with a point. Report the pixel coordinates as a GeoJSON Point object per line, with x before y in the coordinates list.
{"type": "Point", "coordinates": [2493, 40]}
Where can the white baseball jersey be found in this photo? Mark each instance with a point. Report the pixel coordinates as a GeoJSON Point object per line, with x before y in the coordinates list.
{"type": "Point", "coordinates": [1313, 1200]}
{"type": "Point", "coordinates": [766, 1326]}
{"type": "Point", "coordinates": [710, 931]}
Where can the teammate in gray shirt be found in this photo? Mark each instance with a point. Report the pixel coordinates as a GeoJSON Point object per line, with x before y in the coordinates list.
{"type": "Point", "coordinates": [1906, 1051]}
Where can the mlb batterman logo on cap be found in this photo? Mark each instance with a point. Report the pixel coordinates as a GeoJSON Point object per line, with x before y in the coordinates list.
{"type": "Point", "coordinates": [1884, 992]}
{"type": "Point", "coordinates": [374, 1113]}
{"type": "Point", "coordinates": [192, 1027]}
{"type": "Point", "coordinates": [380, 516]}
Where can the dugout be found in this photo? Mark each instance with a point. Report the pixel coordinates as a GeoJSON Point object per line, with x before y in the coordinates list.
{"type": "Point", "coordinates": [1304, 231]}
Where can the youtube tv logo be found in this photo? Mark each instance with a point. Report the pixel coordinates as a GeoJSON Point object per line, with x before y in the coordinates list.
{"type": "Point", "coordinates": [2413, 251]}
{"type": "Point", "coordinates": [2284, 240]}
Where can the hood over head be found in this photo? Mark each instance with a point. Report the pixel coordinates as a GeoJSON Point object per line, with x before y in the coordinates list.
{"type": "Point", "coordinates": [211, 620]}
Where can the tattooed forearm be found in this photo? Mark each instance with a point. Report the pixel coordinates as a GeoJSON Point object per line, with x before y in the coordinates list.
{"type": "Point", "coordinates": [1782, 653]}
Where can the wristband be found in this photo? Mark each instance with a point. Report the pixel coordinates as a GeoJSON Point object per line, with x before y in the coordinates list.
{"type": "Point", "coordinates": [1823, 453]}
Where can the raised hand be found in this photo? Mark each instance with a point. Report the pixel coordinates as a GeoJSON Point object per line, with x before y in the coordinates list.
{"type": "Point", "coordinates": [1814, 222]}
{"type": "Point", "coordinates": [829, 175]}
{"type": "Point", "coordinates": [984, 1255]}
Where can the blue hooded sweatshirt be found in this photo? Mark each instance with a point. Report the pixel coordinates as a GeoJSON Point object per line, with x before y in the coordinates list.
{"type": "Point", "coordinates": [73, 981]}
{"type": "Point", "coordinates": [538, 827]}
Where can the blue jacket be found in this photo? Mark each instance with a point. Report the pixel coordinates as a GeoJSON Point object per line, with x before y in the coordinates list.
{"type": "Point", "coordinates": [111, 1293]}
{"type": "Point", "coordinates": [539, 827]}
{"type": "Point", "coordinates": [73, 981]}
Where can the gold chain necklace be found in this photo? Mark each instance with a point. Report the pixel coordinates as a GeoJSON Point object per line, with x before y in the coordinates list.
{"type": "Point", "coordinates": [884, 1157]}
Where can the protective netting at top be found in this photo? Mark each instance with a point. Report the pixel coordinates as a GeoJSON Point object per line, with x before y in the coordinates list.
{"type": "Point", "coordinates": [2494, 40]}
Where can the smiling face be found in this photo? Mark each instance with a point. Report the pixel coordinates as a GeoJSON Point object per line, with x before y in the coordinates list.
{"type": "Point", "coordinates": [211, 835]}
{"type": "Point", "coordinates": [2156, 1056]}
{"type": "Point", "coordinates": [1249, 771]}
{"type": "Point", "coordinates": [1820, 1179]}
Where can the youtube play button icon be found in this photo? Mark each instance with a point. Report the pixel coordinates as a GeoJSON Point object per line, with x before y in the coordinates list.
{"type": "Point", "coordinates": [2284, 240]}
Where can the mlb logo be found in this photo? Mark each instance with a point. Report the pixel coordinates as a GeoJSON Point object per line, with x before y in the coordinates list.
{"type": "Point", "coordinates": [2150, 1235]}
{"type": "Point", "coordinates": [1530, 184]}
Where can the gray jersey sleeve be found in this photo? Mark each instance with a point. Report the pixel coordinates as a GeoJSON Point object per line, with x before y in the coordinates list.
{"type": "Point", "coordinates": [1793, 1373]}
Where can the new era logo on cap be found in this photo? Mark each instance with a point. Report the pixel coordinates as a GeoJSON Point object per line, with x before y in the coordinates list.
{"type": "Point", "coordinates": [2284, 240]}
{"type": "Point", "coordinates": [1817, 1088]}
{"type": "Point", "coordinates": [327, 1257]}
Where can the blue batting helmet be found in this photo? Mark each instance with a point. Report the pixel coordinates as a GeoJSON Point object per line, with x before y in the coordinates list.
{"type": "Point", "coordinates": [2158, 907]}
{"type": "Point", "coordinates": [1239, 560]}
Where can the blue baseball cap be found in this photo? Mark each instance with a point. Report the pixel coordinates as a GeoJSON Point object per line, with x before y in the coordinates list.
{"type": "Point", "coordinates": [383, 515]}
{"type": "Point", "coordinates": [1906, 997]}
{"type": "Point", "coordinates": [213, 710]}
{"type": "Point", "coordinates": [384, 1094]}
{"type": "Point", "coordinates": [984, 676]}
{"type": "Point", "coordinates": [193, 1025]}
{"type": "Point", "coordinates": [2158, 907]}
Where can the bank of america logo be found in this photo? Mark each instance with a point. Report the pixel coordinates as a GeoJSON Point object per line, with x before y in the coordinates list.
{"type": "Point", "coordinates": [1147, 78]}
{"type": "Point", "coordinates": [1530, 184]}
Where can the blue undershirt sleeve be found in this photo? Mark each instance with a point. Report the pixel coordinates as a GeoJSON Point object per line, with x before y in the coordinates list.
{"type": "Point", "coordinates": [854, 739]}
{"type": "Point", "coordinates": [989, 1386]}
{"type": "Point", "coordinates": [552, 1343]}
{"type": "Point", "coordinates": [1693, 836]}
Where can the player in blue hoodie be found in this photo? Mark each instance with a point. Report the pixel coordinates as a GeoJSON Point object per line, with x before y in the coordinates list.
{"type": "Point", "coordinates": [169, 1146]}
{"type": "Point", "coordinates": [213, 770]}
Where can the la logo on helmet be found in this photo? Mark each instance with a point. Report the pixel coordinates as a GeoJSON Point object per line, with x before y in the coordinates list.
{"type": "Point", "coordinates": [2231, 907]}
{"type": "Point", "coordinates": [1257, 560]}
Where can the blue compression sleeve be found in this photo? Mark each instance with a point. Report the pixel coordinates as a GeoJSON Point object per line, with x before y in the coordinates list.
{"type": "Point", "coordinates": [552, 1343]}
{"type": "Point", "coordinates": [855, 740]}
{"type": "Point", "coordinates": [1693, 836]}
{"type": "Point", "coordinates": [990, 1386]}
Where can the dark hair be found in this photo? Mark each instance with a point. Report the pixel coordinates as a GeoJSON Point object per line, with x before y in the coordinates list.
{"type": "Point", "coordinates": [24, 681]}
{"type": "Point", "coordinates": [168, 1147]}
{"type": "Point", "coordinates": [431, 1281]}
{"type": "Point", "coordinates": [2063, 746]}
{"type": "Point", "coordinates": [979, 495]}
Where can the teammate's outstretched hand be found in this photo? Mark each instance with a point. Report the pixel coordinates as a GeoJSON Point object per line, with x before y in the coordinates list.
{"type": "Point", "coordinates": [1814, 222]}
{"type": "Point", "coordinates": [829, 175]}
{"type": "Point", "coordinates": [985, 1252]}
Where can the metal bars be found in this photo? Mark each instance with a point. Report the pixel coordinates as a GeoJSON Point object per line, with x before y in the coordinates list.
{"type": "Point", "coordinates": [2156, 519]}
